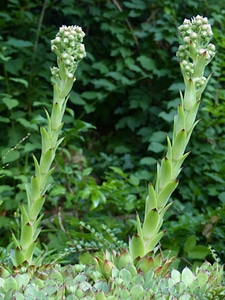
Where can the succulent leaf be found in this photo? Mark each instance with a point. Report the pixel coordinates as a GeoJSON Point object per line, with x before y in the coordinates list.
{"type": "Point", "coordinates": [136, 246]}
{"type": "Point", "coordinates": [165, 194]}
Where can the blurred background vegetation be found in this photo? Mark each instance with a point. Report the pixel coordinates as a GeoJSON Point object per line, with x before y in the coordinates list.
{"type": "Point", "coordinates": [121, 108]}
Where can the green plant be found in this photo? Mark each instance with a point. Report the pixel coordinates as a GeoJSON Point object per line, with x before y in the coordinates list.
{"type": "Point", "coordinates": [69, 49]}
{"type": "Point", "coordinates": [195, 53]}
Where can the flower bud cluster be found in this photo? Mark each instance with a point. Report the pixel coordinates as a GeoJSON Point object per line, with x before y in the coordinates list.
{"type": "Point", "coordinates": [196, 34]}
{"type": "Point", "coordinates": [68, 46]}
{"type": "Point", "coordinates": [188, 67]}
{"type": "Point", "coordinates": [200, 82]}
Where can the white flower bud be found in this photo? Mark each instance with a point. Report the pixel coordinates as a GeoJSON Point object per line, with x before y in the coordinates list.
{"type": "Point", "coordinates": [82, 48]}
{"type": "Point", "coordinates": [187, 22]}
{"type": "Point", "coordinates": [186, 39]}
{"type": "Point", "coordinates": [66, 33]}
{"type": "Point", "coordinates": [193, 36]}
{"type": "Point", "coordinates": [65, 41]}
{"type": "Point", "coordinates": [64, 55]}
{"type": "Point", "coordinates": [204, 34]}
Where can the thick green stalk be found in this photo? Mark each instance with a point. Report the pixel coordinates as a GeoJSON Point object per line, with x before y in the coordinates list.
{"type": "Point", "coordinates": [69, 49]}
{"type": "Point", "coordinates": [195, 53]}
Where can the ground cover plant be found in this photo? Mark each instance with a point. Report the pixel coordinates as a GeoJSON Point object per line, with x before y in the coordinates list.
{"type": "Point", "coordinates": [139, 270]}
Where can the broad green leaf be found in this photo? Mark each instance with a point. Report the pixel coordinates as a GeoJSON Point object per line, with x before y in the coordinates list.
{"type": "Point", "coordinates": [156, 147]}
{"type": "Point", "coordinates": [104, 83]}
{"type": "Point", "coordinates": [18, 43]}
{"type": "Point", "coordinates": [118, 171]}
{"type": "Point", "coordinates": [4, 120]}
{"type": "Point", "coordinates": [148, 161]}
{"type": "Point", "coordinates": [101, 66]}
{"type": "Point", "coordinates": [11, 156]}
{"type": "Point", "coordinates": [75, 98]}
{"type": "Point", "coordinates": [190, 243]}
{"type": "Point", "coordinates": [10, 102]}
{"type": "Point", "coordinates": [4, 188]}
{"type": "Point", "coordinates": [20, 80]}
{"type": "Point", "coordinates": [198, 252]}
{"type": "Point", "coordinates": [134, 180]}
{"type": "Point", "coordinates": [146, 62]}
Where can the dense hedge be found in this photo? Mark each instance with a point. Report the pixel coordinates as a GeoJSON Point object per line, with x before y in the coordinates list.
{"type": "Point", "coordinates": [120, 110]}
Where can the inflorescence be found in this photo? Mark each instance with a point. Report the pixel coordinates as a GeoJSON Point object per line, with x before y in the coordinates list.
{"type": "Point", "coordinates": [69, 49]}
{"type": "Point", "coordinates": [196, 51]}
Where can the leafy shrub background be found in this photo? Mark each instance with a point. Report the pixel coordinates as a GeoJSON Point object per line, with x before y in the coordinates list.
{"type": "Point", "coordinates": [119, 113]}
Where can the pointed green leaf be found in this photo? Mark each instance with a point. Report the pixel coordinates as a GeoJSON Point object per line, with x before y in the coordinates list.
{"type": "Point", "coordinates": [16, 242]}
{"type": "Point", "coordinates": [165, 172]}
{"type": "Point", "coordinates": [49, 121]}
{"type": "Point", "coordinates": [35, 188]}
{"type": "Point", "coordinates": [175, 276]}
{"type": "Point", "coordinates": [161, 215]}
{"type": "Point", "coordinates": [45, 140]}
{"type": "Point", "coordinates": [151, 244]}
{"type": "Point", "coordinates": [150, 201]}
{"type": "Point", "coordinates": [100, 296]}
{"type": "Point", "coordinates": [35, 227]}
{"type": "Point", "coordinates": [55, 135]}
{"type": "Point", "coordinates": [24, 215]}
{"type": "Point", "coordinates": [177, 166]}
{"type": "Point", "coordinates": [139, 229]}
{"type": "Point", "coordinates": [179, 145]}
{"type": "Point", "coordinates": [28, 192]}
{"type": "Point", "coordinates": [165, 194]}
{"type": "Point", "coordinates": [56, 117]}
{"type": "Point", "coordinates": [189, 95]}
{"type": "Point", "coordinates": [190, 132]}
{"type": "Point", "coordinates": [150, 224]}
{"type": "Point", "coordinates": [136, 246]}
{"type": "Point", "coordinates": [29, 252]}
{"type": "Point", "coordinates": [187, 276]}
{"type": "Point", "coordinates": [157, 184]}
{"type": "Point", "coordinates": [145, 264]}
{"type": "Point", "coordinates": [179, 121]}
{"type": "Point", "coordinates": [17, 257]}
{"type": "Point", "coordinates": [46, 161]}
{"type": "Point", "coordinates": [190, 116]}
{"type": "Point", "coordinates": [58, 143]}
{"type": "Point", "coordinates": [36, 208]}
{"type": "Point", "coordinates": [37, 168]}
{"type": "Point", "coordinates": [169, 148]}
{"type": "Point", "coordinates": [26, 236]}
{"type": "Point", "coordinates": [44, 181]}
{"type": "Point", "coordinates": [164, 210]}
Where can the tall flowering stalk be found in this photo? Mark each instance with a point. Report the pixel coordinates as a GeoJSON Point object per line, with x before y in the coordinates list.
{"type": "Point", "coordinates": [69, 50]}
{"type": "Point", "coordinates": [195, 53]}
